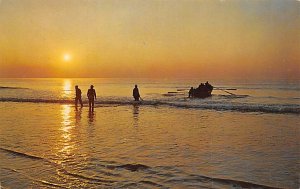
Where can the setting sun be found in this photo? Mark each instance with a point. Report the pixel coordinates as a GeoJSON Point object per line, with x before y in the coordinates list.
{"type": "Point", "coordinates": [67, 57]}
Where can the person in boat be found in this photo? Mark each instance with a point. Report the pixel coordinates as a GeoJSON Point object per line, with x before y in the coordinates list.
{"type": "Point", "coordinates": [191, 92]}
{"type": "Point", "coordinates": [91, 94]}
{"type": "Point", "coordinates": [201, 87]}
{"type": "Point", "coordinates": [78, 96]}
{"type": "Point", "coordinates": [208, 86]}
{"type": "Point", "coordinates": [136, 93]}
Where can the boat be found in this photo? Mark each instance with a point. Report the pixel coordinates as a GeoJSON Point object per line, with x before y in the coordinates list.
{"type": "Point", "coordinates": [203, 91]}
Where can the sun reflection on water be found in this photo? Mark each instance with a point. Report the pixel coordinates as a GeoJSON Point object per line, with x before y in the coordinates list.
{"type": "Point", "coordinates": [66, 88]}
{"type": "Point", "coordinates": [66, 128]}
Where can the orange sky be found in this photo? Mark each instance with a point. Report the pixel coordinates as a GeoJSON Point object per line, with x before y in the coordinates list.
{"type": "Point", "coordinates": [151, 38]}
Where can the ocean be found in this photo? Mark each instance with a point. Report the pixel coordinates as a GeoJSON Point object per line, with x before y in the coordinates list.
{"type": "Point", "coordinates": [246, 135]}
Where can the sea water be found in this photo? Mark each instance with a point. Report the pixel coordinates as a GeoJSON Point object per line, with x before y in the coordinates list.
{"type": "Point", "coordinates": [246, 139]}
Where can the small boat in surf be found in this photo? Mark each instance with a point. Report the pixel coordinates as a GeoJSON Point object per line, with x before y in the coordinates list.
{"type": "Point", "coordinates": [203, 91]}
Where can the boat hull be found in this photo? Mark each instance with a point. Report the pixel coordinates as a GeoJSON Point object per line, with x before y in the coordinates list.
{"type": "Point", "coordinates": [202, 94]}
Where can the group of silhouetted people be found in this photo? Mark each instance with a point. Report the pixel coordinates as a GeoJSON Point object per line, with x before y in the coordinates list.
{"type": "Point", "coordinates": [91, 94]}
{"type": "Point", "coordinates": [202, 87]}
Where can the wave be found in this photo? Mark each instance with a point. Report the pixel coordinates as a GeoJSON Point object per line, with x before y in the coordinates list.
{"type": "Point", "coordinates": [190, 178]}
{"type": "Point", "coordinates": [44, 182]}
{"type": "Point", "coordinates": [59, 101]}
{"type": "Point", "coordinates": [130, 167]}
{"type": "Point", "coordinates": [21, 154]}
{"type": "Point", "coordinates": [85, 177]}
{"type": "Point", "coordinates": [288, 88]}
{"type": "Point", "coordinates": [198, 178]}
{"type": "Point", "coordinates": [210, 105]}
{"type": "Point", "coordinates": [220, 181]}
{"type": "Point", "coordinates": [2, 87]}
{"type": "Point", "coordinates": [187, 104]}
{"type": "Point", "coordinates": [61, 168]}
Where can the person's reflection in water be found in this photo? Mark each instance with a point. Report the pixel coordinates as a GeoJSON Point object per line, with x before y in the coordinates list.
{"type": "Point", "coordinates": [78, 112]}
{"type": "Point", "coordinates": [91, 127]}
{"type": "Point", "coordinates": [91, 118]}
{"type": "Point", "coordinates": [135, 113]}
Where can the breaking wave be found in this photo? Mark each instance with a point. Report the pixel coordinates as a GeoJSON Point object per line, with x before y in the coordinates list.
{"type": "Point", "coordinates": [205, 105]}
{"type": "Point", "coordinates": [2, 87]}
{"type": "Point", "coordinates": [21, 154]}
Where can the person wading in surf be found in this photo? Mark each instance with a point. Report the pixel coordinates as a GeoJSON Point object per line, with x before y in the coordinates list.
{"type": "Point", "coordinates": [91, 94]}
{"type": "Point", "coordinates": [78, 97]}
{"type": "Point", "coordinates": [136, 93]}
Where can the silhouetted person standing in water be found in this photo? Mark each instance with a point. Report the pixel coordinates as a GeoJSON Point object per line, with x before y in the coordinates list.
{"type": "Point", "coordinates": [136, 93]}
{"type": "Point", "coordinates": [78, 96]}
{"type": "Point", "coordinates": [91, 94]}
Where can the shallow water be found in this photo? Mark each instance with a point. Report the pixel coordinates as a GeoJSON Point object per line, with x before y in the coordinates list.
{"type": "Point", "coordinates": [278, 97]}
{"type": "Point", "coordinates": [155, 144]}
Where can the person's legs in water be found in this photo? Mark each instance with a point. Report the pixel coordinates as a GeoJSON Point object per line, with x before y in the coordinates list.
{"type": "Point", "coordinates": [93, 103]}
{"type": "Point", "coordinates": [80, 100]}
{"type": "Point", "coordinates": [76, 101]}
{"type": "Point", "coordinates": [136, 98]}
{"type": "Point", "coordinates": [90, 104]}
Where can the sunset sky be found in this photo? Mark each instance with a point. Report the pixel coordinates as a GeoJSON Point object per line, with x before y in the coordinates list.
{"type": "Point", "coordinates": [150, 38]}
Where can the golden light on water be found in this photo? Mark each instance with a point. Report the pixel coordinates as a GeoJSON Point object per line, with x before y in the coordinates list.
{"type": "Point", "coordinates": [65, 114]}
{"type": "Point", "coordinates": [66, 88]}
{"type": "Point", "coordinates": [66, 128]}
{"type": "Point", "coordinates": [66, 123]}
